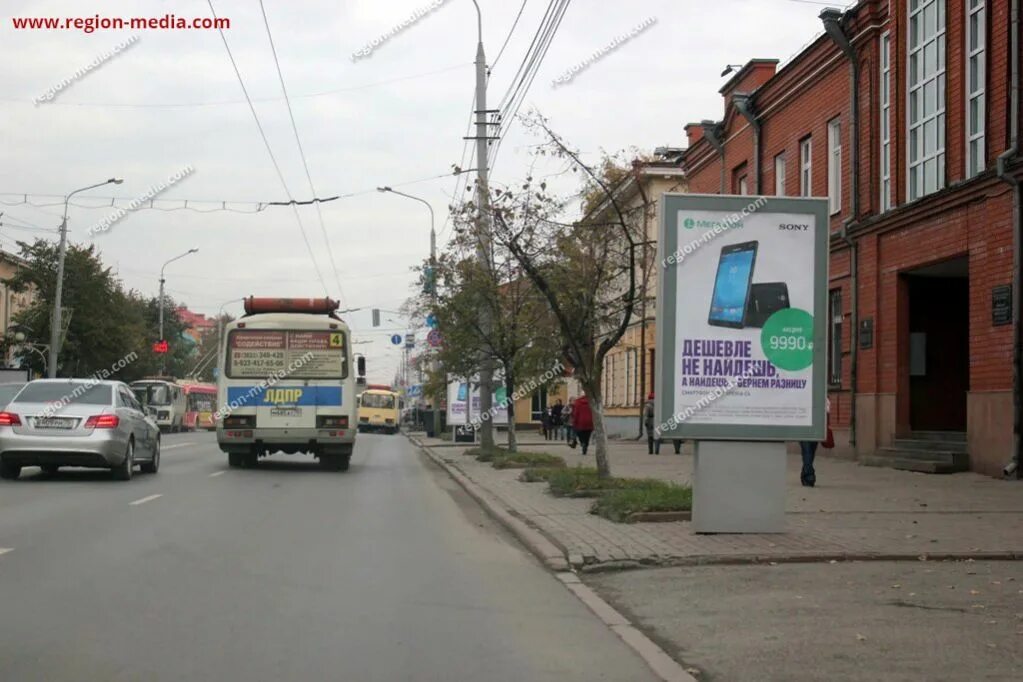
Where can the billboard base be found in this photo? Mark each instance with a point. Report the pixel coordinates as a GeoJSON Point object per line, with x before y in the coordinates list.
{"type": "Point", "coordinates": [739, 487]}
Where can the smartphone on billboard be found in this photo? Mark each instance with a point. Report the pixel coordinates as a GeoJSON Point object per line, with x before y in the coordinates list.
{"type": "Point", "coordinates": [463, 391]}
{"type": "Point", "coordinates": [729, 301]}
{"type": "Point", "coordinates": [765, 299]}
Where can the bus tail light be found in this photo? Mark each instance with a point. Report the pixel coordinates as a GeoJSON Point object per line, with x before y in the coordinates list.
{"type": "Point", "coordinates": [239, 421]}
{"type": "Point", "coordinates": [332, 421]}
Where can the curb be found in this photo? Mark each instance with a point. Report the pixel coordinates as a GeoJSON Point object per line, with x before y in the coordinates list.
{"type": "Point", "coordinates": [543, 549]}
{"type": "Point", "coordinates": [663, 665]}
{"type": "Point", "coordinates": [659, 662]}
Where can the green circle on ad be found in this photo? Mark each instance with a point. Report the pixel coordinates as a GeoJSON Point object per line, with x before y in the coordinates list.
{"type": "Point", "coordinates": [787, 339]}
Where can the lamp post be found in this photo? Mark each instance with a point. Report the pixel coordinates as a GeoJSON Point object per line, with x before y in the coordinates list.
{"type": "Point", "coordinates": [186, 253]}
{"type": "Point", "coordinates": [51, 366]}
{"type": "Point", "coordinates": [19, 338]}
{"type": "Point", "coordinates": [432, 281]}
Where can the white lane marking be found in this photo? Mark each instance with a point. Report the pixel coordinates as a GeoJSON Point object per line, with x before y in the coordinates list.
{"type": "Point", "coordinates": [176, 445]}
{"type": "Point", "coordinates": [5, 550]}
{"type": "Point", "coordinates": [148, 498]}
{"type": "Point", "coordinates": [218, 473]}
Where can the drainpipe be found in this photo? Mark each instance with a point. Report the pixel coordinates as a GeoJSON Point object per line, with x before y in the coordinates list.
{"type": "Point", "coordinates": [1012, 469]}
{"type": "Point", "coordinates": [712, 132]}
{"type": "Point", "coordinates": [835, 26]}
{"type": "Point", "coordinates": [744, 104]}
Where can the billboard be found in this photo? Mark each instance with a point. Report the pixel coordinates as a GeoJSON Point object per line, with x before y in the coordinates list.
{"type": "Point", "coordinates": [459, 410]}
{"type": "Point", "coordinates": [257, 353]}
{"type": "Point", "coordinates": [742, 293]}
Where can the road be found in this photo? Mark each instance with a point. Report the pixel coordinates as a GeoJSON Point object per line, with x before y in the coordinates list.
{"type": "Point", "coordinates": [285, 572]}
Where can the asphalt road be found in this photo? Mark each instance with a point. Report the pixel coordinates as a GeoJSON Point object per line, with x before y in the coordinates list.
{"type": "Point", "coordinates": [285, 572]}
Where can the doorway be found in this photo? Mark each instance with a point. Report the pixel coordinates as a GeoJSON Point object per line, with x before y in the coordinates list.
{"type": "Point", "coordinates": [939, 346]}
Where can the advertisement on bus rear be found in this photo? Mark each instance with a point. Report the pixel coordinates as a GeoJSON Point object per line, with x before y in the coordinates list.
{"type": "Point", "coordinates": [257, 354]}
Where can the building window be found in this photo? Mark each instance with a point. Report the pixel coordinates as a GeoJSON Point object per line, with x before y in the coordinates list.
{"type": "Point", "coordinates": [976, 76]}
{"type": "Point", "coordinates": [886, 123]}
{"type": "Point", "coordinates": [538, 405]}
{"type": "Point", "coordinates": [628, 378]}
{"type": "Point", "coordinates": [779, 175]}
{"type": "Point", "coordinates": [806, 168]}
{"type": "Point", "coordinates": [835, 337]}
{"type": "Point", "coordinates": [926, 97]}
{"type": "Point", "coordinates": [743, 187]}
{"type": "Point", "coordinates": [835, 166]}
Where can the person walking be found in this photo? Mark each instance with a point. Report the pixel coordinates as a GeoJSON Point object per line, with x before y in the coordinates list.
{"type": "Point", "coordinates": [566, 416]}
{"type": "Point", "coordinates": [545, 423]}
{"type": "Point", "coordinates": [556, 418]}
{"type": "Point", "coordinates": [582, 421]}
{"type": "Point", "coordinates": [653, 445]}
{"type": "Point", "coordinates": [808, 449]}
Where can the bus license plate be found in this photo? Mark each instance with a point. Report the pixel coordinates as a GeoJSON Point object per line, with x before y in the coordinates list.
{"type": "Point", "coordinates": [286, 412]}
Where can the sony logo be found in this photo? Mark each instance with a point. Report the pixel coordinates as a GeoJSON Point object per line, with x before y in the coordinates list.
{"type": "Point", "coordinates": [793, 226]}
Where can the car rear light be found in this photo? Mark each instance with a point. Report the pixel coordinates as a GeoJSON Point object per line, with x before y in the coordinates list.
{"type": "Point", "coordinates": [388, 421]}
{"type": "Point", "coordinates": [332, 421]}
{"type": "Point", "coordinates": [102, 421]}
{"type": "Point", "coordinates": [239, 421]}
{"type": "Point", "coordinates": [9, 419]}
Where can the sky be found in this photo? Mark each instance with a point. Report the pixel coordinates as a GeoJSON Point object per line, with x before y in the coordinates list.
{"type": "Point", "coordinates": [169, 106]}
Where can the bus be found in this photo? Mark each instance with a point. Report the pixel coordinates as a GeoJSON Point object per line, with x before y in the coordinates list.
{"type": "Point", "coordinates": [286, 383]}
{"type": "Point", "coordinates": [379, 409]}
{"type": "Point", "coordinates": [163, 399]}
{"type": "Point", "coordinates": [200, 404]}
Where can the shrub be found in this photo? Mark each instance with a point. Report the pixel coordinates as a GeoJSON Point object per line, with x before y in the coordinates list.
{"type": "Point", "coordinates": [537, 474]}
{"type": "Point", "coordinates": [525, 460]}
{"type": "Point", "coordinates": [487, 455]}
{"type": "Point", "coordinates": [584, 482]}
{"type": "Point", "coordinates": [617, 505]}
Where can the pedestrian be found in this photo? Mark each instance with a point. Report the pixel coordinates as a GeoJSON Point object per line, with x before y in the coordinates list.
{"type": "Point", "coordinates": [582, 421]}
{"type": "Point", "coordinates": [545, 423]}
{"type": "Point", "coordinates": [556, 418]}
{"type": "Point", "coordinates": [808, 449]}
{"type": "Point", "coordinates": [566, 416]}
{"type": "Point", "coordinates": [653, 444]}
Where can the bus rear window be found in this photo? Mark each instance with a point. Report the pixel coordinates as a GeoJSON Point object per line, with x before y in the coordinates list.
{"type": "Point", "coordinates": [262, 353]}
{"type": "Point", "coordinates": [381, 402]}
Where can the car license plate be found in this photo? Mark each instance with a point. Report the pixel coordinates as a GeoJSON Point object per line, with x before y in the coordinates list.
{"type": "Point", "coordinates": [286, 412]}
{"type": "Point", "coordinates": [54, 423]}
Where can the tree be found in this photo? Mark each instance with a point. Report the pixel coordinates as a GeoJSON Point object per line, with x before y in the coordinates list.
{"type": "Point", "coordinates": [586, 270]}
{"type": "Point", "coordinates": [109, 330]}
{"type": "Point", "coordinates": [521, 335]}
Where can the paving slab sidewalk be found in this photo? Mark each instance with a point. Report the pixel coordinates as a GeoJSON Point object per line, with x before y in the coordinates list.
{"type": "Point", "coordinates": [854, 513]}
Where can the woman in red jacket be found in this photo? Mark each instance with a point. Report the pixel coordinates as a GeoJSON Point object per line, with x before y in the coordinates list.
{"type": "Point", "coordinates": [582, 421]}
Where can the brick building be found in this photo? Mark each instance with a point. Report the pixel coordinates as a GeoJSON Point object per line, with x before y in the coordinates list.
{"type": "Point", "coordinates": [898, 113]}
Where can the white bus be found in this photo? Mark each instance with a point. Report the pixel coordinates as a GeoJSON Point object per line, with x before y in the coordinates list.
{"type": "Point", "coordinates": [286, 383]}
{"type": "Point", "coordinates": [163, 400]}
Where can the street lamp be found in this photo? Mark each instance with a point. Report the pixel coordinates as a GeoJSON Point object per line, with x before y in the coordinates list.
{"type": "Point", "coordinates": [432, 279]}
{"type": "Point", "coordinates": [186, 253]}
{"type": "Point", "coordinates": [19, 338]}
{"type": "Point", "coordinates": [61, 252]}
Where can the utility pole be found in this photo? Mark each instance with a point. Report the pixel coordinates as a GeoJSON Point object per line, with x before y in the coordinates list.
{"type": "Point", "coordinates": [55, 321]}
{"type": "Point", "coordinates": [483, 244]}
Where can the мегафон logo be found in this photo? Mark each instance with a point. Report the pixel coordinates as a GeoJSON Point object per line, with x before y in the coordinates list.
{"type": "Point", "coordinates": [690, 223]}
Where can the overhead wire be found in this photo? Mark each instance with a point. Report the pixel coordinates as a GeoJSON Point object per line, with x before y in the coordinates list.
{"type": "Point", "coordinates": [511, 110]}
{"type": "Point", "coordinates": [273, 159]}
{"type": "Point", "coordinates": [301, 153]}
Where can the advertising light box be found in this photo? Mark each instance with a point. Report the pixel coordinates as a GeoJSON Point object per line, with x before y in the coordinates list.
{"type": "Point", "coordinates": [741, 334]}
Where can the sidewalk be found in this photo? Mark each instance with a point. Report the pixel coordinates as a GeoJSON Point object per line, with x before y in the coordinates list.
{"type": "Point", "coordinates": [854, 513]}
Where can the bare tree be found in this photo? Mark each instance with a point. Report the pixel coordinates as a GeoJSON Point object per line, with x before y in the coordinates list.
{"type": "Point", "coordinates": [586, 271]}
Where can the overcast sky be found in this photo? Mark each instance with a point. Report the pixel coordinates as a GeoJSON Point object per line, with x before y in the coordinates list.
{"type": "Point", "coordinates": [171, 100]}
